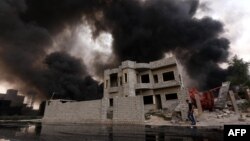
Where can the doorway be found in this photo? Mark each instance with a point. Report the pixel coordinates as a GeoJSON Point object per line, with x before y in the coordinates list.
{"type": "Point", "coordinates": [158, 101]}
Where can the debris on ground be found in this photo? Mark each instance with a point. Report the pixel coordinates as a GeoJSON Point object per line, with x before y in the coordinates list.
{"type": "Point", "coordinates": [217, 117]}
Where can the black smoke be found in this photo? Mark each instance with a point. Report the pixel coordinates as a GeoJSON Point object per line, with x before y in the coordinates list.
{"type": "Point", "coordinates": [24, 56]}
{"type": "Point", "coordinates": [143, 31]}
{"type": "Point", "coordinates": [68, 79]}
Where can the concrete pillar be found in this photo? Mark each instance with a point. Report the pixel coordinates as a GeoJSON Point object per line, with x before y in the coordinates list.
{"type": "Point", "coordinates": [104, 108]}
{"type": "Point", "coordinates": [106, 83]}
{"type": "Point", "coordinates": [151, 78]}
{"type": "Point", "coordinates": [129, 86]}
{"type": "Point", "coordinates": [222, 97]}
{"type": "Point", "coordinates": [232, 98]}
{"type": "Point", "coordinates": [182, 103]}
{"type": "Point", "coordinates": [198, 103]}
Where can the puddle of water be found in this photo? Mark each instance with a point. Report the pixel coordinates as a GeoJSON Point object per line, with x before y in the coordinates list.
{"type": "Point", "coordinates": [92, 132]}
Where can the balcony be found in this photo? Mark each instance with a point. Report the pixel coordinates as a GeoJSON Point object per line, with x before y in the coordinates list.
{"type": "Point", "coordinates": [113, 89]}
{"type": "Point", "coordinates": [142, 66]}
{"type": "Point", "coordinates": [165, 84]}
{"type": "Point", "coordinates": [143, 86]}
{"type": "Point", "coordinates": [163, 63]}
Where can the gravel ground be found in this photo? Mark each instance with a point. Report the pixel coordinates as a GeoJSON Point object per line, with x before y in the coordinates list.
{"type": "Point", "coordinates": [216, 119]}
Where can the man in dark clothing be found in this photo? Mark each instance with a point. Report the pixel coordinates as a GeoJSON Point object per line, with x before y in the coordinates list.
{"type": "Point", "coordinates": [191, 112]}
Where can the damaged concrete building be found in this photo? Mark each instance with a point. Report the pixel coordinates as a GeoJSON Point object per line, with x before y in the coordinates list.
{"type": "Point", "coordinates": [130, 91]}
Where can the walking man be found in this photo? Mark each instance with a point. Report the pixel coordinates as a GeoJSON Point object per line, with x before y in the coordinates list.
{"type": "Point", "coordinates": [191, 112]}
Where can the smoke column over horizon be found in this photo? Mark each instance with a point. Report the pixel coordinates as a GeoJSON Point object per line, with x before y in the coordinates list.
{"type": "Point", "coordinates": [142, 31]}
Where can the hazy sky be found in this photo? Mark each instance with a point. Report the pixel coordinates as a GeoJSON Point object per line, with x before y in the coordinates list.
{"type": "Point", "coordinates": [235, 14]}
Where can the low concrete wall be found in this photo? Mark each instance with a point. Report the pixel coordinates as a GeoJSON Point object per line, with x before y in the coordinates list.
{"type": "Point", "coordinates": [73, 112]}
{"type": "Point", "coordinates": [128, 110]}
{"type": "Point", "coordinates": [149, 107]}
{"type": "Point", "coordinates": [169, 104]}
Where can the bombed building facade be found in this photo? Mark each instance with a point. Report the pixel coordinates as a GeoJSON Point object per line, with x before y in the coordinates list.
{"type": "Point", "coordinates": [130, 91]}
{"type": "Point", "coordinates": [158, 83]}
{"type": "Point", "coordinates": [12, 103]}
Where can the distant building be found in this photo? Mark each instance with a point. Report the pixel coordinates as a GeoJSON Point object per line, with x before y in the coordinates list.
{"type": "Point", "coordinates": [11, 95]}
{"type": "Point", "coordinates": [13, 104]}
{"type": "Point", "coordinates": [16, 100]}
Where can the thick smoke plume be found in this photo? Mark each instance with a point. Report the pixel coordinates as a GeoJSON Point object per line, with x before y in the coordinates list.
{"type": "Point", "coordinates": [142, 31]}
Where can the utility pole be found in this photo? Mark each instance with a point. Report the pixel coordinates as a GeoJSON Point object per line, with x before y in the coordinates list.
{"type": "Point", "coordinates": [52, 95]}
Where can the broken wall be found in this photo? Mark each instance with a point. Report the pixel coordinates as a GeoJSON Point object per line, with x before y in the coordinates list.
{"type": "Point", "coordinates": [74, 112]}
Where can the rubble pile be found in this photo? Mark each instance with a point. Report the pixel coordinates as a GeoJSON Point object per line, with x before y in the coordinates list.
{"type": "Point", "coordinates": [225, 113]}
{"type": "Point", "coordinates": [159, 113]}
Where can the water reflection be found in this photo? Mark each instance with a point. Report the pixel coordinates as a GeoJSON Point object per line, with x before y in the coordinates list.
{"type": "Point", "coordinates": [91, 132]}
